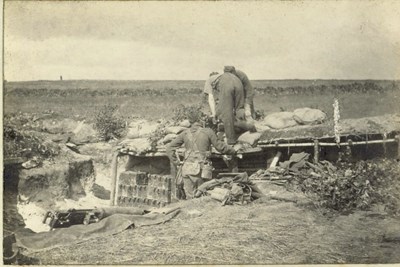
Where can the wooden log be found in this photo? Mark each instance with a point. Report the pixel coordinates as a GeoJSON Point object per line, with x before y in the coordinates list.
{"type": "Point", "coordinates": [288, 145]}
{"type": "Point", "coordinates": [316, 150]}
{"type": "Point", "coordinates": [359, 142]}
{"type": "Point", "coordinates": [275, 160]}
{"type": "Point", "coordinates": [114, 178]}
{"type": "Point", "coordinates": [316, 168]}
{"type": "Point", "coordinates": [329, 144]}
{"type": "Point", "coordinates": [349, 151]}
{"type": "Point", "coordinates": [384, 144]}
{"type": "Point", "coordinates": [229, 174]}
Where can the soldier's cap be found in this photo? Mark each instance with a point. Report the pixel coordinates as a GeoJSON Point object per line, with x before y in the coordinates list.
{"type": "Point", "coordinates": [213, 73]}
{"type": "Point", "coordinates": [230, 69]}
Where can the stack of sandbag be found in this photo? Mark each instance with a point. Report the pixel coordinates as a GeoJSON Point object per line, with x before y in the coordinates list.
{"type": "Point", "coordinates": [141, 128]}
{"type": "Point", "coordinates": [301, 116]}
{"type": "Point", "coordinates": [137, 138]}
{"type": "Point", "coordinates": [142, 133]}
{"type": "Point", "coordinates": [173, 131]}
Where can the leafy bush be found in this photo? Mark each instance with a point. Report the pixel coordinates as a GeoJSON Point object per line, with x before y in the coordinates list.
{"type": "Point", "coordinates": [108, 124]}
{"type": "Point", "coordinates": [18, 143]}
{"type": "Point", "coordinates": [182, 112]}
{"type": "Point", "coordinates": [157, 135]}
{"type": "Point", "coordinates": [353, 186]}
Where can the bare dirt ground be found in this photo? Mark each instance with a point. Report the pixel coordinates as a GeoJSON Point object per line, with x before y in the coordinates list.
{"type": "Point", "coordinates": [260, 233]}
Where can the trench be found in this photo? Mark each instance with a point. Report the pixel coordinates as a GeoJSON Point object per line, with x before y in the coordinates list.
{"type": "Point", "coordinates": [12, 220]}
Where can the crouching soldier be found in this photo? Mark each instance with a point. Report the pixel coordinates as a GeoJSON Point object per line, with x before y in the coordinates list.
{"type": "Point", "coordinates": [196, 167]}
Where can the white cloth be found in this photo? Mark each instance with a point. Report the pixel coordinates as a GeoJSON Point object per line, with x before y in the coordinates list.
{"type": "Point", "coordinates": [208, 86]}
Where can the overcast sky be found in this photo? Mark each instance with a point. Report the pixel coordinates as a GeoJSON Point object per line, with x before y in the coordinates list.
{"type": "Point", "coordinates": [188, 40]}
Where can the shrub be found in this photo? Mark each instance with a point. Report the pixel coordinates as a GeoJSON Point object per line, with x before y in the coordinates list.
{"type": "Point", "coordinates": [19, 143]}
{"type": "Point", "coordinates": [108, 124]}
{"type": "Point", "coordinates": [354, 186]}
{"type": "Point", "coordinates": [157, 135]}
{"type": "Point", "coordinates": [182, 112]}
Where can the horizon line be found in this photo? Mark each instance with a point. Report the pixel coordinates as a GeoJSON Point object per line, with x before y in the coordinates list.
{"type": "Point", "coordinates": [289, 79]}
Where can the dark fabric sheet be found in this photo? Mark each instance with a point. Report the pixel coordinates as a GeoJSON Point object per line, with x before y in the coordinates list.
{"type": "Point", "coordinates": [78, 233]}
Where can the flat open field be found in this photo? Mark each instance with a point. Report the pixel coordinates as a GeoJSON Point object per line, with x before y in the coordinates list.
{"type": "Point", "coordinates": [155, 99]}
{"type": "Point", "coordinates": [262, 232]}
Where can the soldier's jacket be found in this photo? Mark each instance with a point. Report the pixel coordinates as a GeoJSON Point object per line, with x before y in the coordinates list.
{"type": "Point", "coordinates": [248, 88]}
{"type": "Point", "coordinates": [204, 138]}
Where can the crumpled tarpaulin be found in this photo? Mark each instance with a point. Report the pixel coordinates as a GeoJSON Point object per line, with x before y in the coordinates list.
{"type": "Point", "coordinates": [114, 224]}
{"type": "Point", "coordinates": [229, 190]}
{"type": "Point", "coordinates": [296, 161]}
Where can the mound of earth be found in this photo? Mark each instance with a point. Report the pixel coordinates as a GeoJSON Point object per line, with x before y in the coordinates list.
{"type": "Point", "coordinates": [370, 125]}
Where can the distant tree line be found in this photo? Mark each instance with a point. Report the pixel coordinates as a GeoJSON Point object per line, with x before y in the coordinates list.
{"type": "Point", "coordinates": [355, 87]}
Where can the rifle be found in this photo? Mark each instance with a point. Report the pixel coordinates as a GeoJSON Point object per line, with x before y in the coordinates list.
{"type": "Point", "coordinates": [66, 218]}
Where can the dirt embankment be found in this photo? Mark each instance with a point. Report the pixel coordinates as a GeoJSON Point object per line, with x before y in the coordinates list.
{"type": "Point", "coordinates": [51, 169]}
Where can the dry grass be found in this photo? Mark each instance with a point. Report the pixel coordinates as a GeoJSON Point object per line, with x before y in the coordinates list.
{"type": "Point", "coordinates": [353, 105]}
{"type": "Point", "coordinates": [264, 233]}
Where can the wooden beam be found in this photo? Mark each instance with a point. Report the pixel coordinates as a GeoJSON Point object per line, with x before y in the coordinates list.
{"type": "Point", "coordinates": [384, 144]}
{"type": "Point", "coordinates": [275, 160]}
{"type": "Point", "coordinates": [309, 144]}
{"type": "Point", "coordinates": [114, 178]}
{"type": "Point", "coordinates": [316, 151]}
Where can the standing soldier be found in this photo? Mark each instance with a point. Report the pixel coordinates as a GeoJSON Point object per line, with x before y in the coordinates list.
{"type": "Point", "coordinates": [248, 91]}
{"type": "Point", "coordinates": [226, 100]}
{"type": "Point", "coordinates": [196, 167]}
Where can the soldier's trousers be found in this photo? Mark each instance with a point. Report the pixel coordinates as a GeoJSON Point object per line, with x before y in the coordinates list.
{"type": "Point", "coordinates": [190, 184]}
{"type": "Point", "coordinates": [231, 99]}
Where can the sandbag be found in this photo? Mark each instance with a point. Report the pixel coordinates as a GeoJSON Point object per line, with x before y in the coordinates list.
{"type": "Point", "coordinates": [139, 145]}
{"type": "Point", "coordinates": [309, 116]}
{"type": "Point", "coordinates": [174, 129]}
{"type": "Point", "coordinates": [84, 133]}
{"type": "Point", "coordinates": [54, 126]}
{"type": "Point", "coordinates": [141, 128]}
{"type": "Point", "coordinates": [249, 138]}
{"type": "Point", "coordinates": [219, 194]}
{"type": "Point", "coordinates": [280, 120]}
{"type": "Point", "coordinates": [168, 138]}
{"type": "Point", "coordinates": [185, 123]}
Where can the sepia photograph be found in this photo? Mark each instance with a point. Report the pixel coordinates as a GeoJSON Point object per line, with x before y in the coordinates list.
{"type": "Point", "coordinates": [201, 132]}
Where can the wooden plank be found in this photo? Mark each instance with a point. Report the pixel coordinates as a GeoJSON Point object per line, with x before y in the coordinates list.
{"type": "Point", "coordinates": [397, 138]}
{"type": "Point", "coordinates": [114, 166]}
